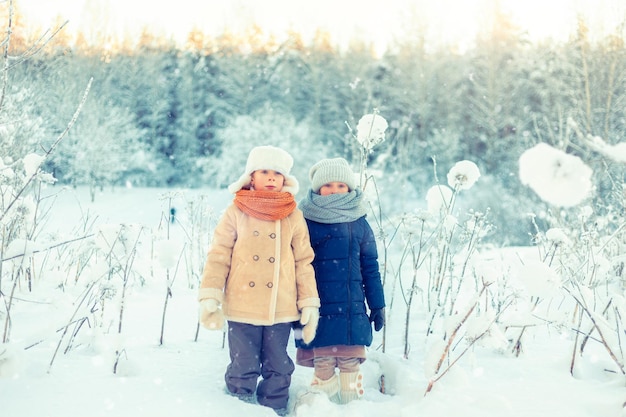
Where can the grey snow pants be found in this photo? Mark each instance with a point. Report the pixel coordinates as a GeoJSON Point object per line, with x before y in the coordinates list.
{"type": "Point", "coordinates": [260, 351]}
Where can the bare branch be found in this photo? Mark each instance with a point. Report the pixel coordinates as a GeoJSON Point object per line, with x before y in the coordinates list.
{"type": "Point", "coordinates": [51, 149]}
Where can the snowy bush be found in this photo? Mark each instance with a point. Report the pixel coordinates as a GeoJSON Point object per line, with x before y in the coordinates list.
{"type": "Point", "coordinates": [441, 269]}
{"type": "Point", "coordinates": [20, 187]}
{"type": "Point", "coordinates": [434, 269]}
{"type": "Point", "coordinates": [581, 254]}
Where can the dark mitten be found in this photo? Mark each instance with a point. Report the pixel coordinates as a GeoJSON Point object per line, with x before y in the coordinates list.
{"type": "Point", "coordinates": [377, 316]}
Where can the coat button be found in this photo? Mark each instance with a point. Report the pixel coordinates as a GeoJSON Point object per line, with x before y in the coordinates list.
{"type": "Point", "coordinates": [255, 233]}
{"type": "Point", "coordinates": [270, 284]}
{"type": "Point", "coordinates": [273, 235]}
{"type": "Point", "coordinates": [251, 284]}
{"type": "Point", "coordinates": [271, 260]}
{"type": "Point", "coordinates": [255, 257]}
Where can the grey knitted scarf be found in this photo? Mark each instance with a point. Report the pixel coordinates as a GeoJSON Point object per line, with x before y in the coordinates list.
{"type": "Point", "coordinates": [334, 208]}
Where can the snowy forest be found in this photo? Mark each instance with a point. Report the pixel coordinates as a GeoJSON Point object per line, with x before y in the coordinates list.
{"type": "Point", "coordinates": [161, 114]}
{"type": "Point", "coordinates": [509, 143]}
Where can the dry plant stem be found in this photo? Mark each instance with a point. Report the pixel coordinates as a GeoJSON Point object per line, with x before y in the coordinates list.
{"type": "Point", "coordinates": [431, 321]}
{"type": "Point", "coordinates": [429, 287]}
{"type": "Point", "coordinates": [58, 330]}
{"type": "Point", "coordinates": [618, 322]}
{"type": "Point", "coordinates": [168, 289]}
{"type": "Point", "coordinates": [7, 321]}
{"type": "Point", "coordinates": [75, 265]}
{"type": "Point", "coordinates": [72, 318]}
{"type": "Point", "coordinates": [601, 335]}
{"type": "Point", "coordinates": [456, 330]}
{"type": "Point", "coordinates": [609, 97]}
{"type": "Point", "coordinates": [379, 223]}
{"type": "Point", "coordinates": [194, 240]}
{"type": "Point", "coordinates": [29, 277]}
{"type": "Point", "coordinates": [614, 236]}
{"type": "Point", "coordinates": [407, 319]}
{"type": "Point", "coordinates": [571, 366]}
{"type": "Point", "coordinates": [127, 271]}
{"type": "Point", "coordinates": [416, 258]}
{"type": "Point", "coordinates": [118, 356]}
{"type": "Point", "coordinates": [398, 278]}
{"type": "Point", "coordinates": [432, 382]}
{"type": "Point", "coordinates": [5, 56]}
{"type": "Point", "coordinates": [364, 153]}
{"type": "Point", "coordinates": [444, 256]}
{"type": "Point", "coordinates": [582, 41]}
{"type": "Point", "coordinates": [123, 298]}
{"type": "Point", "coordinates": [606, 345]}
{"type": "Point", "coordinates": [56, 245]}
{"type": "Point", "coordinates": [517, 346]}
{"type": "Point", "coordinates": [2, 248]}
{"type": "Point", "coordinates": [168, 294]}
{"type": "Point", "coordinates": [195, 337]}
{"type": "Point", "coordinates": [444, 250]}
{"type": "Point", "coordinates": [35, 48]}
{"type": "Point", "coordinates": [590, 332]}
{"type": "Point", "coordinates": [363, 164]}
{"type": "Point", "coordinates": [77, 327]}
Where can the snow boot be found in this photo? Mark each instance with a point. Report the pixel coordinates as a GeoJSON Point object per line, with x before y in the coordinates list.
{"type": "Point", "coordinates": [316, 391]}
{"type": "Point", "coordinates": [246, 398]}
{"type": "Point", "coordinates": [329, 387]}
{"type": "Point", "coordinates": [351, 386]}
{"type": "Point", "coordinates": [281, 411]}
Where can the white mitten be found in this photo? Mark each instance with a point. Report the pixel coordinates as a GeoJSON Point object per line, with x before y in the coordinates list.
{"type": "Point", "coordinates": [209, 314]}
{"type": "Point", "coordinates": [209, 305]}
{"type": "Point", "coordinates": [309, 318]}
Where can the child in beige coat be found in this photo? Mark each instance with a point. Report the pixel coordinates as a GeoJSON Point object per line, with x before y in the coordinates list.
{"type": "Point", "coordinates": [258, 269]}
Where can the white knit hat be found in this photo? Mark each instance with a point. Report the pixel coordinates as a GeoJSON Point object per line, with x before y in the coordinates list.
{"type": "Point", "coordinates": [267, 157]}
{"type": "Point", "coordinates": [331, 170]}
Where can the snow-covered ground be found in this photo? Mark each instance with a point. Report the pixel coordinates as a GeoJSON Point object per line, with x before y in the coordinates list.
{"type": "Point", "coordinates": [58, 366]}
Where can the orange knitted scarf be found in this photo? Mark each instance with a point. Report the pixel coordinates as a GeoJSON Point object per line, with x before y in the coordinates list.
{"type": "Point", "coordinates": [265, 205]}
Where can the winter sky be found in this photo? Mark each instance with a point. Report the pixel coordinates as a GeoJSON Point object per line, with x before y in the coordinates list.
{"type": "Point", "coordinates": [449, 20]}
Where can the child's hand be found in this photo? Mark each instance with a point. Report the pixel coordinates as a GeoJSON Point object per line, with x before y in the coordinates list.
{"type": "Point", "coordinates": [209, 316]}
{"type": "Point", "coordinates": [377, 316]}
{"type": "Point", "coordinates": [309, 318]}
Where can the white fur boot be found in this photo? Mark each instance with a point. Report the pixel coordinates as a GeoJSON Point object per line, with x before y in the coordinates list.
{"type": "Point", "coordinates": [329, 387]}
{"type": "Point", "coordinates": [351, 386]}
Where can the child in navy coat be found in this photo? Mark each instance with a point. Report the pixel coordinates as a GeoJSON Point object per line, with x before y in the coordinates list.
{"type": "Point", "coordinates": [348, 281]}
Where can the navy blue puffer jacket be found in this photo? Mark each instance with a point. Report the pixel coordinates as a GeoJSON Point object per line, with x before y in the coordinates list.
{"type": "Point", "coordinates": [347, 275]}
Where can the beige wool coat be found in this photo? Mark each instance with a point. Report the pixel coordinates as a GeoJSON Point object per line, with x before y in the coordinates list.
{"type": "Point", "coordinates": [260, 271]}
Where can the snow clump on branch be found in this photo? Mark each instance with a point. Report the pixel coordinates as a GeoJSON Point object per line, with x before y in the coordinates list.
{"type": "Point", "coordinates": [463, 175]}
{"type": "Point", "coordinates": [438, 198]}
{"type": "Point", "coordinates": [615, 152]}
{"type": "Point", "coordinates": [557, 236]}
{"type": "Point", "coordinates": [558, 178]}
{"type": "Point", "coordinates": [539, 279]}
{"type": "Point", "coordinates": [371, 130]}
{"type": "Point", "coordinates": [32, 162]}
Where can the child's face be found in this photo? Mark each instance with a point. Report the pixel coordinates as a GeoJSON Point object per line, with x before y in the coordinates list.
{"type": "Point", "coordinates": [334, 188]}
{"type": "Point", "coordinates": [267, 180]}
